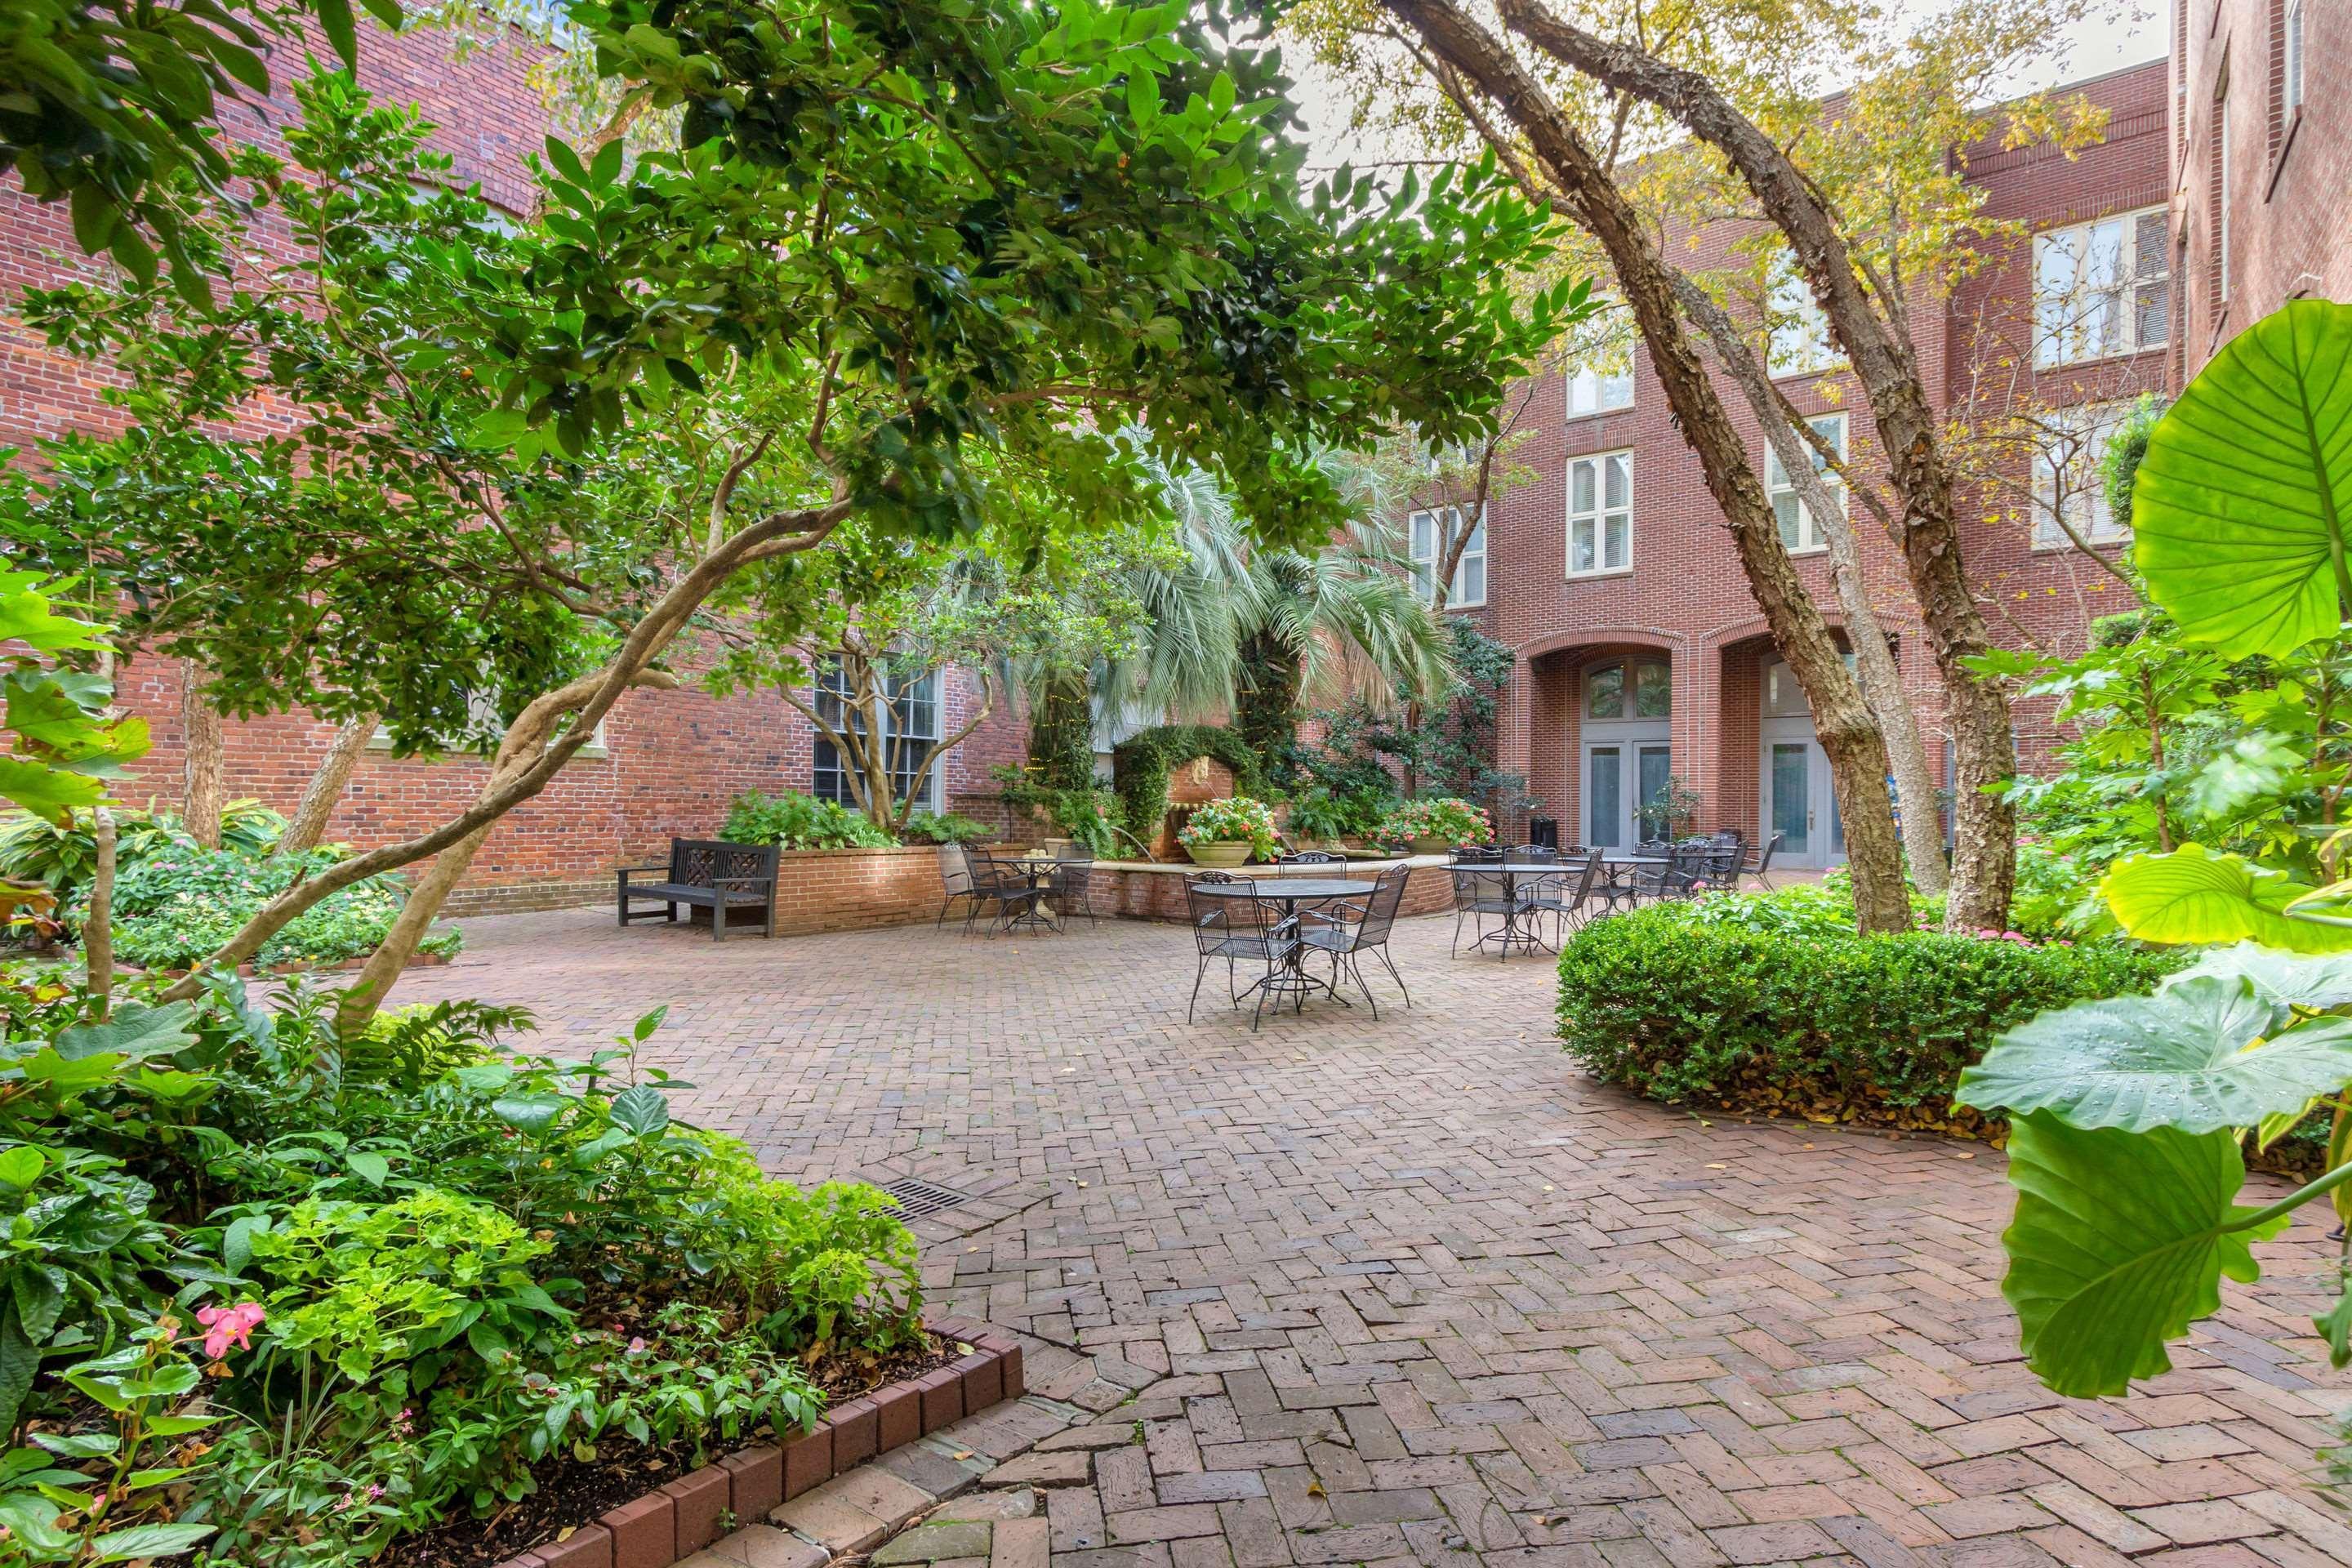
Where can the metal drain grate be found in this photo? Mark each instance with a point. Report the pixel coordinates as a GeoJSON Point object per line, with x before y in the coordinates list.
{"type": "Point", "coordinates": [917, 1197]}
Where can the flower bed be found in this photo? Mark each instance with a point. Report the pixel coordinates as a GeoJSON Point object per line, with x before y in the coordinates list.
{"type": "Point", "coordinates": [336, 1299]}
{"type": "Point", "coordinates": [1440, 820]}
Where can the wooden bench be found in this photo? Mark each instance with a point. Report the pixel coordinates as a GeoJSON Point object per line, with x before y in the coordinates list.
{"type": "Point", "coordinates": [706, 873]}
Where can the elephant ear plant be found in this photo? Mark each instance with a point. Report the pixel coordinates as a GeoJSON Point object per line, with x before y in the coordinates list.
{"type": "Point", "coordinates": [2129, 1116]}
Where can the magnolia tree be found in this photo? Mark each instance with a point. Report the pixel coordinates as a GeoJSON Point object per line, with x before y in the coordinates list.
{"type": "Point", "coordinates": [886, 258]}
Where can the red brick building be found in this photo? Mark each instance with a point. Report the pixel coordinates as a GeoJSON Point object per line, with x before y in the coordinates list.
{"type": "Point", "coordinates": [666, 763]}
{"type": "Point", "coordinates": [1639, 654]}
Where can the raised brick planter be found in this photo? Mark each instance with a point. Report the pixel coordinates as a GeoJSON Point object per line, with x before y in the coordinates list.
{"type": "Point", "coordinates": [680, 1518]}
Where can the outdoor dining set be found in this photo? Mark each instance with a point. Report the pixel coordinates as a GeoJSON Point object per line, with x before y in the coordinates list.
{"type": "Point", "coordinates": [1015, 892]}
{"type": "Point", "coordinates": [1519, 888]}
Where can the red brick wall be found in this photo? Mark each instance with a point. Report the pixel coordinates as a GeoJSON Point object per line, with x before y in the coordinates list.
{"type": "Point", "coordinates": [2290, 194]}
{"type": "Point", "coordinates": [673, 760]}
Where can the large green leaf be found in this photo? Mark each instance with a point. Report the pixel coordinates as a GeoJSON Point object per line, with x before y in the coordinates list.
{"type": "Point", "coordinates": [2119, 1243]}
{"type": "Point", "coordinates": [2242, 504]}
{"type": "Point", "coordinates": [2179, 1059]}
{"type": "Point", "coordinates": [2194, 896]}
{"type": "Point", "coordinates": [2320, 980]}
{"type": "Point", "coordinates": [134, 1031]}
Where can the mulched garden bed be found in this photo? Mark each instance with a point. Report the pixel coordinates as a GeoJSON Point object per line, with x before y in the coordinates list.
{"type": "Point", "coordinates": [572, 1492]}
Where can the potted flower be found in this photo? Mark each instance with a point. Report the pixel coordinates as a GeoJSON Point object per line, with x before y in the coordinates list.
{"type": "Point", "coordinates": [1434, 826]}
{"type": "Point", "coordinates": [1318, 820]}
{"type": "Point", "coordinates": [1228, 832]}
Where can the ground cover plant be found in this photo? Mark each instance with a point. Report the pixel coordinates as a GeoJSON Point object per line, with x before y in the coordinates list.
{"type": "Point", "coordinates": [284, 1299]}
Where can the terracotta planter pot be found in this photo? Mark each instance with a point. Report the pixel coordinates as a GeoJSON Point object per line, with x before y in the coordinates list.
{"type": "Point", "coordinates": [1222, 855]}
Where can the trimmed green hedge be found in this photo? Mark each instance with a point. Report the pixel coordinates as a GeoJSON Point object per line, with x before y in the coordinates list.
{"type": "Point", "coordinates": [1677, 1003]}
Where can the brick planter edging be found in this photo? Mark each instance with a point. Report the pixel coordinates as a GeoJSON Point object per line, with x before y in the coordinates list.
{"type": "Point", "coordinates": [679, 1520]}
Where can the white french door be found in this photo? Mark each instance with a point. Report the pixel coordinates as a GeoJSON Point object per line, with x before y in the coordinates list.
{"type": "Point", "coordinates": [1798, 803]}
{"type": "Point", "coordinates": [1620, 776]}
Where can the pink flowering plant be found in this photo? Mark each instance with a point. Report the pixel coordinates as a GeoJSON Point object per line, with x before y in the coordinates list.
{"type": "Point", "coordinates": [1239, 820]}
{"type": "Point", "coordinates": [1447, 818]}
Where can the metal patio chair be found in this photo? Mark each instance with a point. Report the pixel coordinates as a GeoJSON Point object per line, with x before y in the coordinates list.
{"type": "Point", "coordinates": [1348, 931]}
{"type": "Point", "coordinates": [1237, 929]}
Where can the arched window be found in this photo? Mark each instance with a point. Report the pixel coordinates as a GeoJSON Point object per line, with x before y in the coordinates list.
{"type": "Point", "coordinates": [1634, 688]}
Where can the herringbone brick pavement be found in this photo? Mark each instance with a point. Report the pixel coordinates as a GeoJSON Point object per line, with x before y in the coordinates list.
{"type": "Point", "coordinates": [1413, 1291]}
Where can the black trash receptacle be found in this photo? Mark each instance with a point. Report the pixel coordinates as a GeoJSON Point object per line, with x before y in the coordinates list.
{"type": "Point", "coordinates": [1543, 831]}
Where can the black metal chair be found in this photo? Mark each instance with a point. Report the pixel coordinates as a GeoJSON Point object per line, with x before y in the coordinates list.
{"type": "Point", "coordinates": [1761, 862]}
{"type": "Point", "coordinates": [1301, 863]}
{"type": "Point", "coordinates": [1685, 863]}
{"type": "Point", "coordinates": [955, 880]}
{"type": "Point", "coordinates": [1237, 928]}
{"type": "Point", "coordinates": [1348, 931]}
{"type": "Point", "coordinates": [1007, 892]}
{"type": "Point", "coordinates": [1477, 893]}
{"type": "Point", "coordinates": [1553, 897]}
{"type": "Point", "coordinates": [1073, 885]}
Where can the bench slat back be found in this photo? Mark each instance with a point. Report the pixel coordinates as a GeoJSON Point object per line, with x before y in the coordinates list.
{"type": "Point", "coordinates": [698, 862]}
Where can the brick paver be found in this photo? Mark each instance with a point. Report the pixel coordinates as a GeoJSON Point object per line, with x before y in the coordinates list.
{"type": "Point", "coordinates": [1415, 1290]}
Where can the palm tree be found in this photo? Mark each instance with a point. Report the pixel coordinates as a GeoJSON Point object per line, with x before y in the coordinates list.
{"type": "Point", "coordinates": [1253, 630]}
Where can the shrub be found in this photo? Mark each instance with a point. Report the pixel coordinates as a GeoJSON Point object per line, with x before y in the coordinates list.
{"type": "Point", "coordinates": [175, 908]}
{"type": "Point", "coordinates": [1443, 818]}
{"type": "Point", "coordinates": [34, 849]}
{"type": "Point", "coordinates": [1758, 1002]}
{"type": "Point", "coordinates": [1139, 766]}
{"type": "Point", "coordinates": [1235, 821]}
{"type": "Point", "coordinates": [954, 827]}
{"type": "Point", "coordinates": [797, 821]}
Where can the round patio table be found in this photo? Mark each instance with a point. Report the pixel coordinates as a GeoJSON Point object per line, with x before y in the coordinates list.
{"type": "Point", "coordinates": [1031, 915]}
{"type": "Point", "coordinates": [1290, 892]}
{"type": "Point", "coordinates": [1518, 931]}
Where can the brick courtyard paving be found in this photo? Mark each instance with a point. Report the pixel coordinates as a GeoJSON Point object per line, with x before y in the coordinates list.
{"type": "Point", "coordinates": [1413, 1290]}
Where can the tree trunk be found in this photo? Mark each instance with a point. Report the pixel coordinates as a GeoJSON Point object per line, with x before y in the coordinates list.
{"type": "Point", "coordinates": [203, 764]}
{"type": "Point", "coordinates": [325, 790]}
{"type": "Point", "coordinates": [1265, 699]}
{"type": "Point", "coordinates": [1883, 359]}
{"type": "Point", "coordinates": [364, 996]}
{"type": "Point", "coordinates": [98, 923]}
{"type": "Point", "coordinates": [1842, 722]}
{"type": "Point", "coordinates": [1874, 666]}
{"type": "Point", "coordinates": [1062, 731]}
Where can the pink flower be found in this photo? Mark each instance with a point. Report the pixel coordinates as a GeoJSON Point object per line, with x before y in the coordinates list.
{"type": "Point", "coordinates": [227, 1326]}
{"type": "Point", "coordinates": [638, 1346]}
{"type": "Point", "coordinates": [1987, 933]}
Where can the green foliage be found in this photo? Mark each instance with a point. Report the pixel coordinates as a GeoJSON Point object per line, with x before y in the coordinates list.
{"type": "Point", "coordinates": [1236, 820]}
{"type": "Point", "coordinates": [1318, 816]}
{"type": "Point", "coordinates": [2240, 506]}
{"type": "Point", "coordinates": [1141, 765]}
{"type": "Point", "coordinates": [2126, 449]}
{"type": "Point", "coordinates": [1061, 732]}
{"type": "Point", "coordinates": [796, 820]}
{"type": "Point", "coordinates": [418, 1264]}
{"type": "Point", "coordinates": [1773, 1003]}
{"type": "Point", "coordinates": [2119, 1243]}
{"type": "Point", "coordinates": [114, 109]}
{"type": "Point", "coordinates": [176, 906]}
{"type": "Point", "coordinates": [62, 746]}
{"type": "Point", "coordinates": [1669, 812]}
{"type": "Point", "coordinates": [62, 859]}
{"type": "Point", "coordinates": [1446, 745]}
{"type": "Point", "coordinates": [954, 827]}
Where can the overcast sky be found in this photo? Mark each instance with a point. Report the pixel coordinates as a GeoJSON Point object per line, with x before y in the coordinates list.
{"type": "Point", "coordinates": [2091, 49]}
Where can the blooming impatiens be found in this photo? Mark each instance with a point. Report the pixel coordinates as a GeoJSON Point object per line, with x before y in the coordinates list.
{"type": "Point", "coordinates": [1447, 818]}
{"type": "Point", "coordinates": [1239, 820]}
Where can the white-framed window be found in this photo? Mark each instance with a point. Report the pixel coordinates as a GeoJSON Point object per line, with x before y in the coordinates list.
{"type": "Point", "coordinates": [1602, 379]}
{"type": "Point", "coordinates": [1798, 332]}
{"type": "Point", "coordinates": [1600, 514]}
{"type": "Point", "coordinates": [2102, 288]}
{"type": "Point", "coordinates": [1430, 534]}
{"type": "Point", "coordinates": [1799, 528]}
{"type": "Point", "coordinates": [911, 723]}
{"type": "Point", "coordinates": [2291, 47]}
{"type": "Point", "coordinates": [2068, 482]}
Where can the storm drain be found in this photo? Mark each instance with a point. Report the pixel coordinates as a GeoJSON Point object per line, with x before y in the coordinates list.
{"type": "Point", "coordinates": [917, 1197]}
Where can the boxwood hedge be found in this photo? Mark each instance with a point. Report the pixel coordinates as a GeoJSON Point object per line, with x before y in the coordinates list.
{"type": "Point", "coordinates": [1681, 1004]}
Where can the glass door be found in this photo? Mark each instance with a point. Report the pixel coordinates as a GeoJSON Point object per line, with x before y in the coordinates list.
{"type": "Point", "coordinates": [1801, 805]}
{"type": "Point", "coordinates": [1604, 797]}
